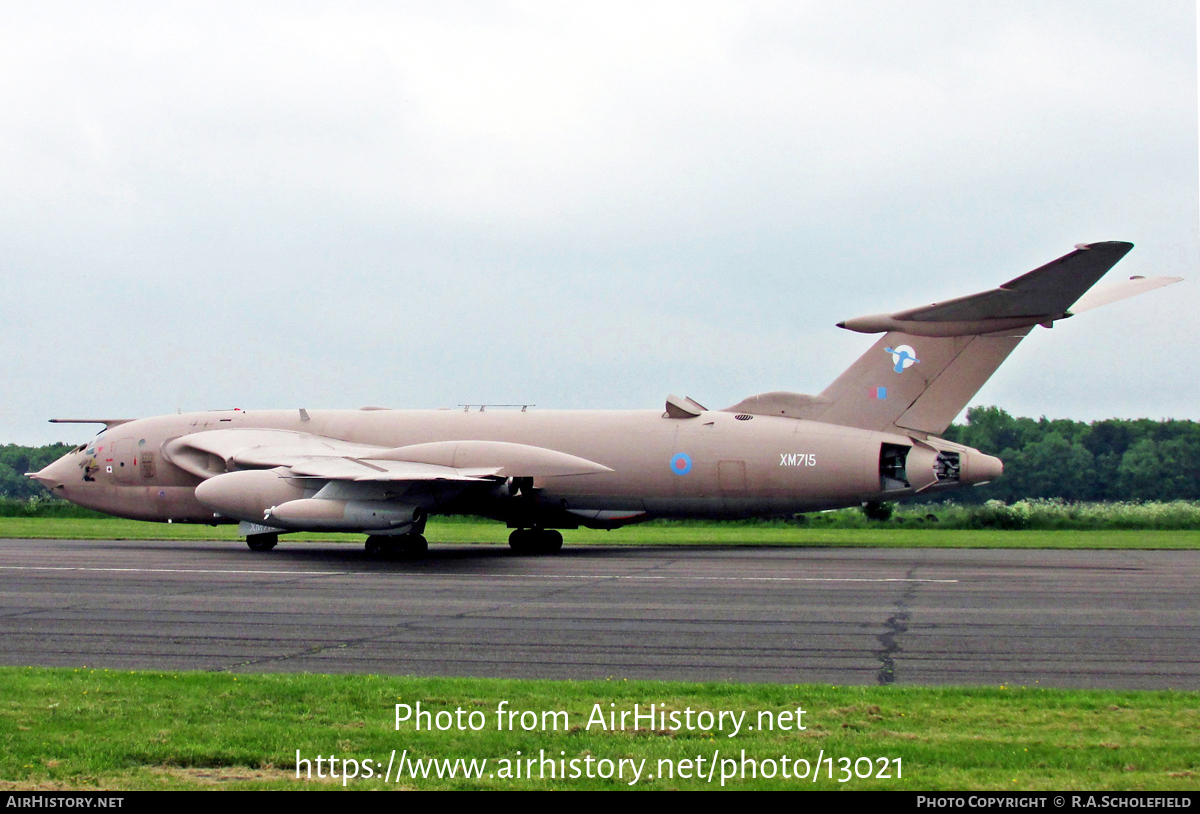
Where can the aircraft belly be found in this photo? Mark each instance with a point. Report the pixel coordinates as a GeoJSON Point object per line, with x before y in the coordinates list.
{"type": "Point", "coordinates": [153, 503]}
{"type": "Point", "coordinates": [735, 508]}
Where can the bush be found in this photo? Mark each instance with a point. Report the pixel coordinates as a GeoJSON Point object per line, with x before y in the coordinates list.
{"type": "Point", "coordinates": [1049, 514]}
{"type": "Point", "coordinates": [879, 511]}
{"type": "Point", "coordinates": [38, 506]}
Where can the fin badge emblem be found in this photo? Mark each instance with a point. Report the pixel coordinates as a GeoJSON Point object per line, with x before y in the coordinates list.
{"type": "Point", "coordinates": [903, 357]}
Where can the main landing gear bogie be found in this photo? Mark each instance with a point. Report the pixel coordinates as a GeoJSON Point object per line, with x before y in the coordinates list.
{"type": "Point", "coordinates": [535, 541]}
{"type": "Point", "coordinates": [404, 545]}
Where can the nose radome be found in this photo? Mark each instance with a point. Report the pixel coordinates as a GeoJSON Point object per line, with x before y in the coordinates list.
{"type": "Point", "coordinates": [41, 478]}
{"type": "Point", "coordinates": [56, 475]}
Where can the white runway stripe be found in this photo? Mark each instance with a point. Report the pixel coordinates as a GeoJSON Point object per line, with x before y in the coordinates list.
{"type": "Point", "coordinates": [278, 573]}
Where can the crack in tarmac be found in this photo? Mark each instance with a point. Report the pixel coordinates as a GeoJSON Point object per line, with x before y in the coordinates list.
{"type": "Point", "coordinates": [896, 624]}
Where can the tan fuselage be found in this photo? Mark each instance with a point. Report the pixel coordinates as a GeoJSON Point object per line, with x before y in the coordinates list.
{"type": "Point", "coordinates": [716, 464]}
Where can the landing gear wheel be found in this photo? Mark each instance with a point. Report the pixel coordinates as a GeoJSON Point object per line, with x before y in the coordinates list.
{"type": "Point", "coordinates": [262, 542]}
{"type": "Point", "coordinates": [535, 541]}
{"type": "Point", "coordinates": [412, 545]}
{"type": "Point", "coordinates": [550, 541]}
{"type": "Point", "coordinates": [521, 541]}
{"type": "Point", "coordinates": [407, 545]}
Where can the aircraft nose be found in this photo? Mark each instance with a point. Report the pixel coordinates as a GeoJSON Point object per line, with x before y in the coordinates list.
{"type": "Point", "coordinates": [43, 479]}
{"type": "Point", "coordinates": [54, 476]}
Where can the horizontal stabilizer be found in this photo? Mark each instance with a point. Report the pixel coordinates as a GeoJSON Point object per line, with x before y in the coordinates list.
{"type": "Point", "coordinates": [1118, 291]}
{"type": "Point", "coordinates": [933, 359]}
{"type": "Point", "coordinates": [1040, 296]}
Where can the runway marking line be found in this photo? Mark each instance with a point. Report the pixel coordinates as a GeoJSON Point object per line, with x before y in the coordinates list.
{"type": "Point", "coordinates": [467, 576]}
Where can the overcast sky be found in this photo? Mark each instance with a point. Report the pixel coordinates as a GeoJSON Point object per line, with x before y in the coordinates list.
{"type": "Point", "coordinates": [326, 205]}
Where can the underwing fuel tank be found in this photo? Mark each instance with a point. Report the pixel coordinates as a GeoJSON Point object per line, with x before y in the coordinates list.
{"type": "Point", "coordinates": [248, 494]}
{"type": "Point", "coordinates": [269, 496]}
{"type": "Point", "coordinates": [343, 515]}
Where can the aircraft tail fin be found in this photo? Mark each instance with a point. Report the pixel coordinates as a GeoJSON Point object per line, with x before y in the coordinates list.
{"type": "Point", "coordinates": [914, 382]}
{"type": "Point", "coordinates": [933, 359]}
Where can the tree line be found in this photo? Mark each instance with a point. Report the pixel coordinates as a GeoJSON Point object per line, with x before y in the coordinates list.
{"type": "Point", "coordinates": [1116, 459]}
{"type": "Point", "coordinates": [16, 460]}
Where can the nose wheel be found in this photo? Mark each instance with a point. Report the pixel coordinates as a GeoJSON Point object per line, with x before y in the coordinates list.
{"type": "Point", "coordinates": [535, 541]}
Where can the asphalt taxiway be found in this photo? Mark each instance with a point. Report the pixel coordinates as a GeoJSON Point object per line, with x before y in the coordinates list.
{"type": "Point", "coordinates": [1114, 619]}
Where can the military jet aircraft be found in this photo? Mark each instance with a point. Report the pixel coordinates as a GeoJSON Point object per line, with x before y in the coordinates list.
{"type": "Point", "coordinates": [871, 435]}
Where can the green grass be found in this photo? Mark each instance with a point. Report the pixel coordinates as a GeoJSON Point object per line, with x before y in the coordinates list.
{"type": "Point", "coordinates": [460, 530]}
{"type": "Point", "coordinates": [1026, 515]}
{"type": "Point", "coordinates": [63, 728]}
